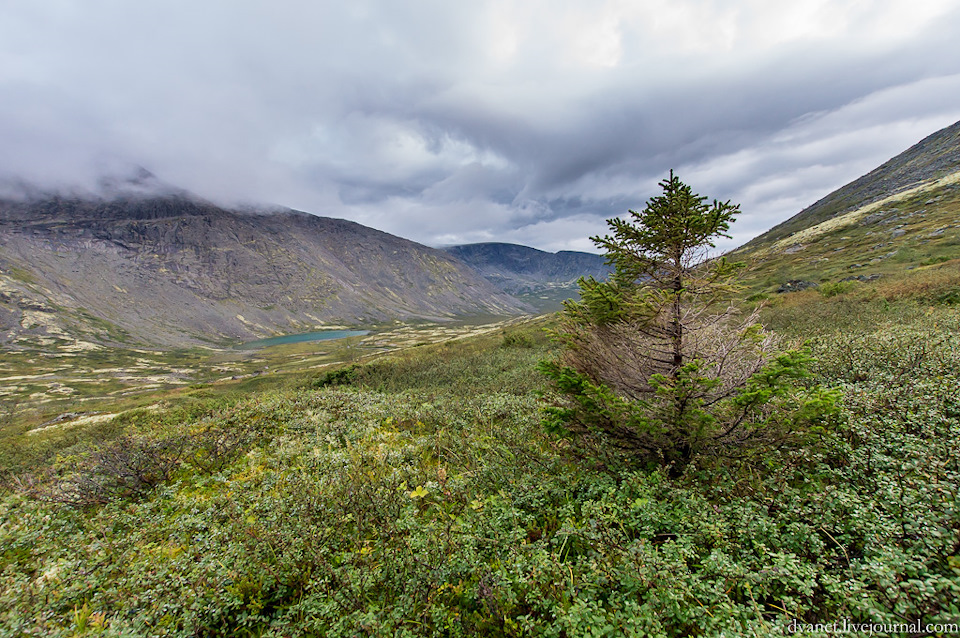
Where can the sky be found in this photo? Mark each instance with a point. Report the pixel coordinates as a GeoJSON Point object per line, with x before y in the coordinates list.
{"type": "Point", "coordinates": [525, 121]}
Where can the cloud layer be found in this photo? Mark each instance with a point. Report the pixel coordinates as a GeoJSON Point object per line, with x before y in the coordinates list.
{"type": "Point", "coordinates": [526, 121]}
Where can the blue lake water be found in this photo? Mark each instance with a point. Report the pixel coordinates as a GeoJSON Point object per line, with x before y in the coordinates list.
{"type": "Point", "coordinates": [326, 335]}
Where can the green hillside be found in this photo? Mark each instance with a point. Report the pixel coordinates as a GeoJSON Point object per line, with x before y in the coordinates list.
{"type": "Point", "coordinates": [913, 229]}
{"type": "Point", "coordinates": [935, 158]}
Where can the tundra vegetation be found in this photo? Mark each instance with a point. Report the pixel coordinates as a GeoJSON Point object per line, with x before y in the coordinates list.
{"type": "Point", "coordinates": [418, 493]}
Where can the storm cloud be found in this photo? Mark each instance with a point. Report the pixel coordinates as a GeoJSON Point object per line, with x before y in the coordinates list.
{"type": "Point", "coordinates": [524, 121]}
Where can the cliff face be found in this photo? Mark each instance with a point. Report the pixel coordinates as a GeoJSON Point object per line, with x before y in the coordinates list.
{"type": "Point", "coordinates": [172, 270]}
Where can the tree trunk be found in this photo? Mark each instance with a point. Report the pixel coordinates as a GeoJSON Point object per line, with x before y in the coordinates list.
{"type": "Point", "coordinates": [676, 335]}
{"type": "Point", "coordinates": [677, 338]}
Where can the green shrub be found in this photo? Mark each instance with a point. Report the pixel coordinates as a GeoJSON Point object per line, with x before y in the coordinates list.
{"type": "Point", "coordinates": [340, 376]}
{"type": "Point", "coordinates": [835, 288]}
{"type": "Point", "coordinates": [949, 297]}
{"type": "Point", "coordinates": [517, 340]}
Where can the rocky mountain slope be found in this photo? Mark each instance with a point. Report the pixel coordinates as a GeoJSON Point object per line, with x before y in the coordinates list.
{"type": "Point", "coordinates": [172, 270]}
{"type": "Point", "coordinates": [903, 215]}
{"type": "Point", "coordinates": [515, 268]}
{"type": "Point", "coordinates": [935, 158]}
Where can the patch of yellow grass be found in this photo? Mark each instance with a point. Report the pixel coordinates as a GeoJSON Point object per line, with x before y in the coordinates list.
{"type": "Point", "coordinates": [84, 420]}
{"type": "Point", "coordinates": [848, 219]}
{"type": "Point", "coordinates": [924, 282]}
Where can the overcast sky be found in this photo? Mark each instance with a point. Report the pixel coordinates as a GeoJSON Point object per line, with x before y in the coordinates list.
{"type": "Point", "coordinates": [527, 121]}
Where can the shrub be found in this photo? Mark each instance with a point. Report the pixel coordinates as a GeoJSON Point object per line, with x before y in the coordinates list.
{"type": "Point", "coordinates": [517, 340]}
{"type": "Point", "coordinates": [340, 376]}
{"type": "Point", "coordinates": [835, 288]}
{"type": "Point", "coordinates": [949, 297]}
{"type": "Point", "coordinates": [129, 467]}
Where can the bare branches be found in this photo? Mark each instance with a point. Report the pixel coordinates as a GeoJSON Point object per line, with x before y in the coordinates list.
{"type": "Point", "coordinates": [127, 468]}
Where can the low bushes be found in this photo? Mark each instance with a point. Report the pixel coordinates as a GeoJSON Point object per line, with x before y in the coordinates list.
{"type": "Point", "coordinates": [430, 510]}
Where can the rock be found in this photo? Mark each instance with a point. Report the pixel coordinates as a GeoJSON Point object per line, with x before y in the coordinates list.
{"type": "Point", "coordinates": [899, 232]}
{"type": "Point", "coordinates": [796, 284]}
{"type": "Point", "coordinates": [29, 304]}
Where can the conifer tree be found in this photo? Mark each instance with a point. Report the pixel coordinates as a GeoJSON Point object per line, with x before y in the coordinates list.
{"type": "Point", "coordinates": [658, 364]}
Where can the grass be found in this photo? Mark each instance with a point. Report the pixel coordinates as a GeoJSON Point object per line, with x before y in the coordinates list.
{"type": "Point", "coordinates": [917, 231]}
{"type": "Point", "coordinates": [52, 396]}
{"type": "Point", "coordinates": [41, 383]}
{"type": "Point", "coordinates": [415, 493]}
{"type": "Point", "coordinates": [857, 306]}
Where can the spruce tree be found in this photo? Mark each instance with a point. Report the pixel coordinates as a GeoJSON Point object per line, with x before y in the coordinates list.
{"type": "Point", "coordinates": [658, 363]}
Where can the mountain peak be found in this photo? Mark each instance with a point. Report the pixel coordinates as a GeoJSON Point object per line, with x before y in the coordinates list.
{"type": "Point", "coordinates": [524, 270]}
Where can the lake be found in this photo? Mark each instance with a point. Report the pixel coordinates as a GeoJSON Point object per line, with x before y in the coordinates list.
{"type": "Point", "coordinates": [326, 335]}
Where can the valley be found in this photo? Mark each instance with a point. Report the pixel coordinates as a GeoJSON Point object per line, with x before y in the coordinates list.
{"type": "Point", "coordinates": [61, 385]}
{"type": "Point", "coordinates": [173, 271]}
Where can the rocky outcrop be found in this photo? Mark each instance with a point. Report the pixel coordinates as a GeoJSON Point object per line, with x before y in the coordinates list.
{"type": "Point", "coordinates": [796, 284]}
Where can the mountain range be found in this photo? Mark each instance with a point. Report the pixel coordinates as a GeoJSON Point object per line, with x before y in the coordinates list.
{"type": "Point", "coordinates": [521, 269]}
{"type": "Point", "coordinates": [172, 270]}
{"type": "Point", "coordinates": [138, 264]}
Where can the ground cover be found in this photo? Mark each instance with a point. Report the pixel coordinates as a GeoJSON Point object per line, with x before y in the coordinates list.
{"type": "Point", "coordinates": [39, 384]}
{"type": "Point", "coordinates": [416, 493]}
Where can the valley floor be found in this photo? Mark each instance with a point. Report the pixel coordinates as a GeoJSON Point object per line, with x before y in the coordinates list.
{"type": "Point", "coordinates": [57, 384]}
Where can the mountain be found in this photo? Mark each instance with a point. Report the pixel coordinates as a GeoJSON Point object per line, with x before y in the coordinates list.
{"type": "Point", "coordinates": [935, 158]}
{"type": "Point", "coordinates": [538, 277]}
{"type": "Point", "coordinates": [903, 215]}
{"type": "Point", "coordinates": [174, 270]}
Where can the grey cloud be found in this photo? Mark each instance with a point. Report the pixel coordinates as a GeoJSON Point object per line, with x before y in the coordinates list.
{"type": "Point", "coordinates": [432, 121]}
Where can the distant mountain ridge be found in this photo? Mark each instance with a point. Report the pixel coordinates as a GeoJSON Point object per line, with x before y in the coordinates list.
{"type": "Point", "coordinates": [172, 269]}
{"type": "Point", "coordinates": [519, 269]}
